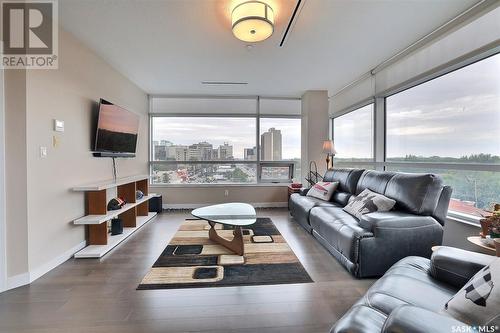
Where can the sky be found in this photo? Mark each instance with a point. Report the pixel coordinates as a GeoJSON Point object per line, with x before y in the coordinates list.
{"type": "Point", "coordinates": [239, 132]}
{"type": "Point", "coordinates": [451, 116]}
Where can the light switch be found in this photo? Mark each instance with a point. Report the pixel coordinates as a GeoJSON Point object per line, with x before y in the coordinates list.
{"type": "Point", "coordinates": [43, 152]}
{"type": "Point", "coordinates": [58, 125]}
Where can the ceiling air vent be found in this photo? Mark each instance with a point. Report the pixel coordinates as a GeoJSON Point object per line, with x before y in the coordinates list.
{"type": "Point", "coordinates": [223, 83]}
{"type": "Point", "coordinates": [291, 22]}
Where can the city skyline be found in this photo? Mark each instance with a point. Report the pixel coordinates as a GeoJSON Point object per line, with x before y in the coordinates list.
{"type": "Point", "coordinates": [239, 132]}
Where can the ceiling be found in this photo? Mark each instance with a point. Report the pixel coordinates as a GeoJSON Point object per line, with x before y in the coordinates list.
{"type": "Point", "coordinates": [171, 46]}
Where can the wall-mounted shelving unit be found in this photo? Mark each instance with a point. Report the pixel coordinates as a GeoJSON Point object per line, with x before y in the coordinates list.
{"type": "Point", "coordinates": [134, 214]}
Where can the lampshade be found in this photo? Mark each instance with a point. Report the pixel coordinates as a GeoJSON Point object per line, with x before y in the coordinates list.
{"type": "Point", "coordinates": [328, 147]}
{"type": "Point", "coordinates": [253, 21]}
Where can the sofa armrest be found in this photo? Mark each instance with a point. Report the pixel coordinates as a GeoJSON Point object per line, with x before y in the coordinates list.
{"type": "Point", "coordinates": [396, 235]}
{"type": "Point", "coordinates": [395, 220]}
{"type": "Point", "coordinates": [456, 266]}
{"type": "Point", "coordinates": [412, 319]}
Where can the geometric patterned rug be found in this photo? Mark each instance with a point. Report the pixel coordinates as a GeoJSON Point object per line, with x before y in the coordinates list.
{"type": "Point", "coordinates": [192, 260]}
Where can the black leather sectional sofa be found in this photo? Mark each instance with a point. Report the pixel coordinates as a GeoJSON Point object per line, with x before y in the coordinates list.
{"type": "Point", "coordinates": [370, 246]}
{"type": "Point", "coordinates": [411, 296]}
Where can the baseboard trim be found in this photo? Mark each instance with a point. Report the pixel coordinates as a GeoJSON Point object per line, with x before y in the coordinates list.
{"type": "Point", "coordinates": [28, 277]}
{"type": "Point", "coordinates": [17, 280]}
{"type": "Point", "coordinates": [45, 268]}
{"type": "Point", "coordinates": [255, 204]}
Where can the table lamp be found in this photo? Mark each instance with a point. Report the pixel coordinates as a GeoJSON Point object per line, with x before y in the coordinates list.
{"type": "Point", "coordinates": [328, 149]}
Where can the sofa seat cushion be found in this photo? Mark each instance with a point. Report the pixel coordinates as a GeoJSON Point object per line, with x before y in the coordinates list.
{"type": "Point", "coordinates": [301, 205]}
{"type": "Point", "coordinates": [306, 203]}
{"type": "Point", "coordinates": [408, 282]}
{"type": "Point", "coordinates": [360, 319]}
{"type": "Point", "coordinates": [340, 229]}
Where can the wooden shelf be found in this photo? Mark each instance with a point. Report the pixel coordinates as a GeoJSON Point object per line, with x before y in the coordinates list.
{"type": "Point", "coordinates": [97, 251]}
{"type": "Point", "coordinates": [133, 215]}
{"type": "Point", "coordinates": [104, 185]}
{"type": "Point", "coordinates": [98, 219]}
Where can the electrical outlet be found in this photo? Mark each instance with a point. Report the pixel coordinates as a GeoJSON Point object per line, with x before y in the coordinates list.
{"type": "Point", "coordinates": [226, 193]}
{"type": "Point", "coordinates": [43, 152]}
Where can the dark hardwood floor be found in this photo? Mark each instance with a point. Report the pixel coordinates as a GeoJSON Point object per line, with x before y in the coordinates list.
{"type": "Point", "coordinates": [88, 295]}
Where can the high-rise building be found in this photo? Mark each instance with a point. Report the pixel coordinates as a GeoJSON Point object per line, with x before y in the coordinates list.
{"type": "Point", "coordinates": [201, 151]}
{"type": "Point", "coordinates": [250, 154]}
{"type": "Point", "coordinates": [181, 153]}
{"type": "Point", "coordinates": [225, 152]}
{"type": "Point", "coordinates": [270, 145]}
{"type": "Point", "coordinates": [160, 153]}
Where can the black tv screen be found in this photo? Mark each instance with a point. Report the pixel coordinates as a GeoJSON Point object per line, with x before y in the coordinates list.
{"type": "Point", "coordinates": [117, 129]}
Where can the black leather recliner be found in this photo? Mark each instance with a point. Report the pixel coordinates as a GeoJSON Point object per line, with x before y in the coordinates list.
{"type": "Point", "coordinates": [370, 246]}
{"type": "Point", "coordinates": [410, 297]}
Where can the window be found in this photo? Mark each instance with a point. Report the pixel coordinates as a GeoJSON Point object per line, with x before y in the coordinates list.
{"type": "Point", "coordinates": [453, 119]}
{"type": "Point", "coordinates": [215, 140]}
{"type": "Point", "coordinates": [353, 135]}
{"type": "Point", "coordinates": [203, 139]}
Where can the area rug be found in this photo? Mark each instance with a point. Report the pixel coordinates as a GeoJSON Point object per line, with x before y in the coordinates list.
{"type": "Point", "coordinates": [192, 260]}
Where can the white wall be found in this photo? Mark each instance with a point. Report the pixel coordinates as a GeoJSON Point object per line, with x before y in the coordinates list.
{"type": "Point", "coordinates": [3, 265]}
{"type": "Point", "coordinates": [192, 197]}
{"type": "Point", "coordinates": [315, 127]}
{"type": "Point", "coordinates": [40, 230]}
{"type": "Point", "coordinates": [16, 177]}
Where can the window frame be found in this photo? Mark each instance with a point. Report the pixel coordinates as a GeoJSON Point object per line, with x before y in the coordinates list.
{"type": "Point", "coordinates": [258, 162]}
{"type": "Point", "coordinates": [380, 162]}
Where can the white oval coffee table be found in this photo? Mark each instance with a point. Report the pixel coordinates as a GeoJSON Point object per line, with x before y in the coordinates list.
{"type": "Point", "coordinates": [236, 214]}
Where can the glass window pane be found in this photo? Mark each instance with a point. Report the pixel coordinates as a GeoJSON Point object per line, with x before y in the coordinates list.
{"type": "Point", "coordinates": [280, 140]}
{"type": "Point", "coordinates": [353, 135]}
{"type": "Point", "coordinates": [196, 173]}
{"type": "Point", "coordinates": [202, 138]}
{"type": "Point", "coordinates": [453, 118]}
{"type": "Point", "coordinates": [275, 173]}
{"type": "Point", "coordinates": [474, 192]}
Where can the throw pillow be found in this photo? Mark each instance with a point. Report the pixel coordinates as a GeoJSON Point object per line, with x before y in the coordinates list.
{"type": "Point", "coordinates": [323, 190]}
{"type": "Point", "coordinates": [478, 302]}
{"type": "Point", "coordinates": [368, 202]}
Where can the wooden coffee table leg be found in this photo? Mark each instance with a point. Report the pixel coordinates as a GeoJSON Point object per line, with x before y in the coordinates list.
{"type": "Point", "coordinates": [235, 245]}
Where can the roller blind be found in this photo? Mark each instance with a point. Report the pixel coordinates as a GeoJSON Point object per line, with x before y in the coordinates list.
{"type": "Point", "coordinates": [280, 107]}
{"type": "Point", "coordinates": [203, 105]}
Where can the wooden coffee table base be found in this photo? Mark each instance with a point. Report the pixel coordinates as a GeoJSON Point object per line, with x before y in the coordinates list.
{"type": "Point", "coordinates": [235, 245]}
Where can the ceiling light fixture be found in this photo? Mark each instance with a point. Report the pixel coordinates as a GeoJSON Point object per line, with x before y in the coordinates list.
{"type": "Point", "coordinates": [253, 21]}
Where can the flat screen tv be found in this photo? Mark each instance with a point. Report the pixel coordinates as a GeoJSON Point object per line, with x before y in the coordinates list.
{"type": "Point", "coordinates": [117, 131]}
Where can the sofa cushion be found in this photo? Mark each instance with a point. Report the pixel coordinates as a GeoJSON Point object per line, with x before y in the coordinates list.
{"type": "Point", "coordinates": [373, 180]}
{"type": "Point", "coordinates": [395, 219]}
{"type": "Point", "coordinates": [347, 178]}
{"type": "Point", "coordinates": [360, 319]}
{"type": "Point", "coordinates": [340, 229]}
{"type": "Point", "coordinates": [368, 202]}
{"type": "Point", "coordinates": [323, 190]}
{"type": "Point", "coordinates": [408, 282]}
{"type": "Point", "coordinates": [415, 193]}
{"type": "Point", "coordinates": [342, 198]}
{"type": "Point", "coordinates": [301, 205]}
